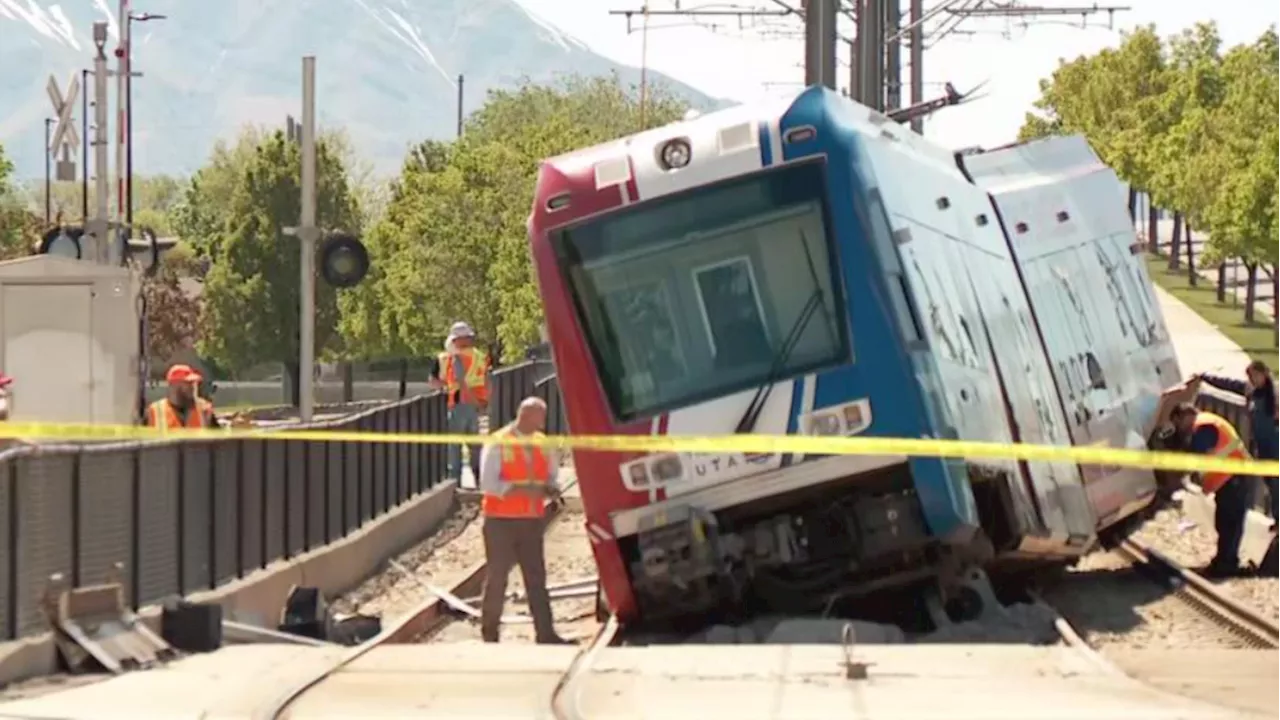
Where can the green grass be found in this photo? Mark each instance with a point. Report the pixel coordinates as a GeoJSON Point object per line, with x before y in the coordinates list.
{"type": "Point", "coordinates": [1257, 338]}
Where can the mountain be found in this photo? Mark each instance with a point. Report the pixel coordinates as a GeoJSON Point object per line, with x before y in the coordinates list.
{"type": "Point", "coordinates": [386, 70]}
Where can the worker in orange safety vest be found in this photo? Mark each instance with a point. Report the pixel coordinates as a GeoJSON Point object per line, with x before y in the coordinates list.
{"type": "Point", "coordinates": [517, 482]}
{"type": "Point", "coordinates": [1207, 433]}
{"type": "Point", "coordinates": [181, 407]}
{"type": "Point", "coordinates": [462, 371]}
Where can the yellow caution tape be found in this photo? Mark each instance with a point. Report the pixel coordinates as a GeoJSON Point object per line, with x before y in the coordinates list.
{"type": "Point", "coordinates": [721, 444]}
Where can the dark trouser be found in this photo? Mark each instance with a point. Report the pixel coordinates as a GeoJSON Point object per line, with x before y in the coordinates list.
{"type": "Point", "coordinates": [1231, 507]}
{"type": "Point", "coordinates": [1265, 448]}
{"type": "Point", "coordinates": [464, 419]}
{"type": "Point", "coordinates": [509, 542]}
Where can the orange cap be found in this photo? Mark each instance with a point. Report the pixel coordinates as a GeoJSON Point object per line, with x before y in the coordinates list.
{"type": "Point", "coordinates": [179, 374]}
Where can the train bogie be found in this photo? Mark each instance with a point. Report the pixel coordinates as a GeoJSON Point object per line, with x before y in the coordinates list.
{"type": "Point", "coordinates": [806, 268]}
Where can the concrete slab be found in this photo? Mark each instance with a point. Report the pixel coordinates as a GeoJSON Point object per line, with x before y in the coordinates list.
{"type": "Point", "coordinates": [229, 683]}
{"type": "Point", "coordinates": [795, 682]}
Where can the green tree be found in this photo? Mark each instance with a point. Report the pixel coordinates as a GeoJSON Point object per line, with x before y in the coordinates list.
{"type": "Point", "coordinates": [453, 244]}
{"type": "Point", "coordinates": [1241, 212]}
{"type": "Point", "coordinates": [251, 291]}
{"type": "Point", "coordinates": [200, 215]}
{"type": "Point", "coordinates": [19, 229]}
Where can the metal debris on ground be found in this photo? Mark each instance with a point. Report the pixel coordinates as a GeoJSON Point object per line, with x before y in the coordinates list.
{"type": "Point", "coordinates": [93, 623]}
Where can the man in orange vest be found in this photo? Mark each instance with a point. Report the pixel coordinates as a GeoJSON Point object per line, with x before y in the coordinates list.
{"type": "Point", "coordinates": [1206, 433]}
{"type": "Point", "coordinates": [181, 407]}
{"type": "Point", "coordinates": [462, 371]}
{"type": "Point", "coordinates": [517, 481]}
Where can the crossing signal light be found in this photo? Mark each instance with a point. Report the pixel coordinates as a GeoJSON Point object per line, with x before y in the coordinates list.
{"type": "Point", "coordinates": [63, 242]}
{"type": "Point", "coordinates": [343, 260]}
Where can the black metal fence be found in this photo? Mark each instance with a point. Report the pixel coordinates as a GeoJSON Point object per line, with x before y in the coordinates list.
{"type": "Point", "coordinates": [512, 384]}
{"type": "Point", "coordinates": [186, 516]}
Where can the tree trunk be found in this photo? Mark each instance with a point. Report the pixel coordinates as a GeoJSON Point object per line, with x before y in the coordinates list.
{"type": "Point", "coordinates": [404, 378]}
{"type": "Point", "coordinates": [1221, 288]}
{"type": "Point", "coordinates": [1250, 291]}
{"type": "Point", "coordinates": [1153, 226]}
{"type": "Point", "coordinates": [1133, 203]}
{"type": "Point", "coordinates": [1192, 276]}
{"type": "Point", "coordinates": [348, 382]}
{"type": "Point", "coordinates": [1275, 305]}
{"type": "Point", "coordinates": [1175, 242]}
{"type": "Point", "coordinates": [293, 380]}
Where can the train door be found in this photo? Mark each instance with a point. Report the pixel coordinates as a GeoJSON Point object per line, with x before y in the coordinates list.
{"type": "Point", "coordinates": [949, 316]}
{"type": "Point", "coordinates": [1032, 396]}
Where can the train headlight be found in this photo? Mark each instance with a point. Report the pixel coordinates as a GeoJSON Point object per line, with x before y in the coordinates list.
{"type": "Point", "coordinates": [655, 471]}
{"type": "Point", "coordinates": [851, 418]}
{"type": "Point", "coordinates": [675, 154]}
{"type": "Point", "coordinates": [825, 424]}
{"type": "Point", "coordinates": [667, 468]}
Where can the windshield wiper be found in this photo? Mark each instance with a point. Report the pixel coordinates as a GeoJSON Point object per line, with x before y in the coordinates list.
{"type": "Point", "coordinates": [749, 418]}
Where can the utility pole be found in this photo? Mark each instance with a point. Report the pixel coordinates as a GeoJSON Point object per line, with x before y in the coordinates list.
{"type": "Point", "coordinates": [820, 43]}
{"type": "Point", "coordinates": [98, 232]}
{"type": "Point", "coordinates": [461, 80]}
{"type": "Point", "coordinates": [893, 55]}
{"type": "Point", "coordinates": [122, 136]}
{"type": "Point", "coordinates": [915, 21]}
{"type": "Point", "coordinates": [84, 148]}
{"type": "Point", "coordinates": [48, 171]}
{"type": "Point", "coordinates": [307, 240]}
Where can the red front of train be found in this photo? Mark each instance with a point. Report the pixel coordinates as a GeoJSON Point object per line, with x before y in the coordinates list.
{"type": "Point", "coordinates": [570, 189]}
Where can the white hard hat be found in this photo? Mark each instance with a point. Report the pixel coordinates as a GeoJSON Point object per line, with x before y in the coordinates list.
{"type": "Point", "coordinates": [459, 330]}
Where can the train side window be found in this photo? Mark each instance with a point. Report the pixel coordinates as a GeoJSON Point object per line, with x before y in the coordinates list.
{"type": "Point", "coordinates": [1097, 380]}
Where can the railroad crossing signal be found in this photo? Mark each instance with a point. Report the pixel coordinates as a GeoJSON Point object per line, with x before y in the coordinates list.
{"type": "Point", "coordinates": [65, 138]}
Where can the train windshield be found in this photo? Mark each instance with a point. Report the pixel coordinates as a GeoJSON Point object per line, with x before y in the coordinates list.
{"type": "Point", "coordinates": [709, 292]}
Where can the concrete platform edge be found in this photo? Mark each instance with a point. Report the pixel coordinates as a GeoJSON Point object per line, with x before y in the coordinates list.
{"type": "Point", "coordinates": [259, 597]}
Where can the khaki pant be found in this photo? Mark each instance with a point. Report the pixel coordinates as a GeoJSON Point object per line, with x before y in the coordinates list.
{"type": "Point", "coordinates": [509, 542]}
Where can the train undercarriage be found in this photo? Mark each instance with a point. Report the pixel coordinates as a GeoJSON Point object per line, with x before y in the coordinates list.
{"type": "Point", "coordinates": [854, 547]}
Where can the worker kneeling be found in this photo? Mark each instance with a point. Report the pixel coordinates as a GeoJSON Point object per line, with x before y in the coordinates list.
{"type": "Point", "coordinates": [517, 481]}
{"type": "Point", "coordinates": [1206, 433]}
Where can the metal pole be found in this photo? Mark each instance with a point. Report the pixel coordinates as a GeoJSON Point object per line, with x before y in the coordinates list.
{"type": "Point", "coordinates": [84, 146]}
{"type": "Point", "coordinates": [461, 80]}
{"type": "Point", "coordinates": [855, 65]}
{"type": "Point", "coordinates": [893, 56]}
{"type": "Point", "coordinates": [916, 38]}
{"type": "Point", "coordinates": [122, 102]}
{"type": "Point", "coordinates": [128, 128]}
{"type": "Point", "coordinates": [101, 184]}
{"type": "Point", "coordinates": [48, 183]}
{"type": "Point", "coordinates": [820, 43]}
{"type": "Point", "coordinates": [307, 241]}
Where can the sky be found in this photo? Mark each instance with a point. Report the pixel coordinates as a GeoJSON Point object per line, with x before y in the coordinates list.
{"type": "Point", "coordinates": [1010, 56]}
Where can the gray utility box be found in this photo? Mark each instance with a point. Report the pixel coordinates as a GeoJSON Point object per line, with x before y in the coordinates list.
{"type": "Point", "coordinates": [69, 340]}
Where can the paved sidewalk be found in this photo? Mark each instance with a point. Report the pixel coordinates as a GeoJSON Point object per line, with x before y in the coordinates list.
{"type": "Point", "coordinates": [1200, 346]}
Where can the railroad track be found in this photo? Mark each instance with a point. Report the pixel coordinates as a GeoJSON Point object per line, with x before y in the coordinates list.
{"type": "Point", "coordinates": [428, 620]}
{"type": "Point", "coordinates": [1247, 624]}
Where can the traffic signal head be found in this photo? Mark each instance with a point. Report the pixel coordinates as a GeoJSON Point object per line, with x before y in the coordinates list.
{"type": "Point", "coordinates": [343, 260]}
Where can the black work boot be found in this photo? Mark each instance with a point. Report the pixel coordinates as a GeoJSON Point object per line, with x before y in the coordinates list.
{"type": "Point", "coordinates": [556, 640]}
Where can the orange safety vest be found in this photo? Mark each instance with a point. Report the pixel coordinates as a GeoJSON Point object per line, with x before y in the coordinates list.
{"type": "Point", "coordinates": [161, 414]}
{"type": "Point", "coordinates": [475, 366]}
{"type": "Point", "coordinates": [1229, 446]}
{"type": "Point", "coordinates": [520, 466]}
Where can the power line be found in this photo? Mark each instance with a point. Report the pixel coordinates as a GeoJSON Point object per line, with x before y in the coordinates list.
{"type": "Point", "coordinates": [877, 63]}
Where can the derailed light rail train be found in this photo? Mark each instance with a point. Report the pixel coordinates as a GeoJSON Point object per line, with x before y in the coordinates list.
{"type": "Point", "coordinates": [812, 267]}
